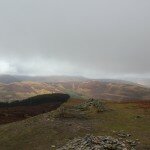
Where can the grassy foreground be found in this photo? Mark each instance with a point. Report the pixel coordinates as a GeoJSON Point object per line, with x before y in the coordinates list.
{"type": "Point", "coordinates": [46, 132]}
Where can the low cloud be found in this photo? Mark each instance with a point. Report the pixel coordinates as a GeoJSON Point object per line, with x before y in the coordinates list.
{"type": "Point", "coordinates": [89, 38]}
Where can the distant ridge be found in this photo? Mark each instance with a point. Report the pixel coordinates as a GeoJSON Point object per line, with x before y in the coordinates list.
{"type": "Point", "coordinates": [7, 79]}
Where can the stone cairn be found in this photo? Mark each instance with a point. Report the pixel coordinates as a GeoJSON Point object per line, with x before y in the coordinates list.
{"type": "Point", "coordinates": [98, 104]}
{"type": "Point", "coordinates": [90, 142]}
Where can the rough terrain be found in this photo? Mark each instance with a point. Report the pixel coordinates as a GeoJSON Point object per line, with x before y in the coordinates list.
{"type": "Point", "coordinates": [123, 121]}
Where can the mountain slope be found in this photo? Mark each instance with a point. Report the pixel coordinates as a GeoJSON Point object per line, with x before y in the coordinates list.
{"type": "Point", "coordinates": [108, 90]}
{"type": "Point", "coordinates": [86, 89]}
{"type": "Point", "coordinates": [23, 90]}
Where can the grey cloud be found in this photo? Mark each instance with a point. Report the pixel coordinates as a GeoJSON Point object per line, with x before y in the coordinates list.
{"type": "Point", "coordinates": [83, 37]}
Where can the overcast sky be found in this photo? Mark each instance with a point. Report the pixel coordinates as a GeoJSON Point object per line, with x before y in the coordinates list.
{"type": "Point", "coordinates": [92, 38]}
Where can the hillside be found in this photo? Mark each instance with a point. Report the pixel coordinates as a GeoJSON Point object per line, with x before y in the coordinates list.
{"type": "Point", "coordinates": [23, 90]}
{"type": "Point", "coordinates": [19, 110]}
{"type": "Point", "coordinates": [107, 90]}
{"type": "Point", "coordinates": [86, 89]}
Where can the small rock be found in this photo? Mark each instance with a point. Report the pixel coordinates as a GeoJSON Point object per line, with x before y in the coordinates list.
{"type": "Point", "coordinates": [138, 116]}
{"type": "Point", "coordinates": [53, 146]}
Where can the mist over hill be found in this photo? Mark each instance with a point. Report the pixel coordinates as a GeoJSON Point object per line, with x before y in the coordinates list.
{"type": "Point", "coordinates": [7, 79]}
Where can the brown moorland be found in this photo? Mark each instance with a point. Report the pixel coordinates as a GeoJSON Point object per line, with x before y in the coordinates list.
{"type": "Point", "coordinates": [19, 110]}
{"type": "Point", "coordinates": [85, 89]}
